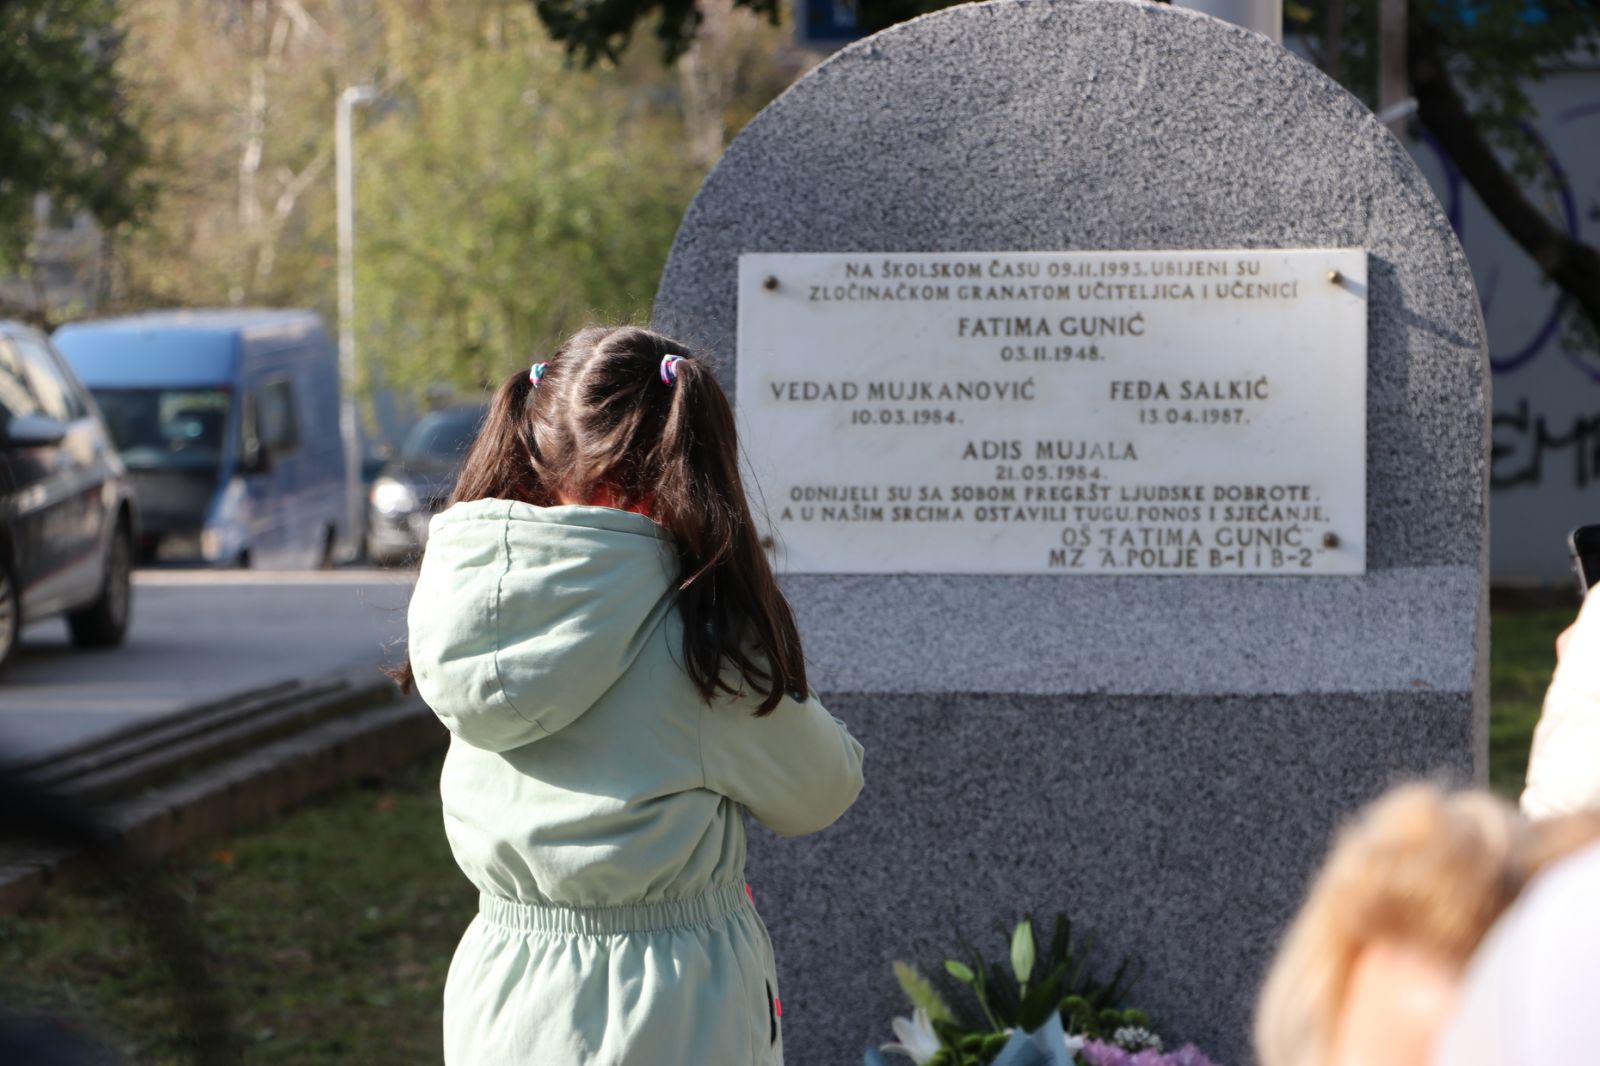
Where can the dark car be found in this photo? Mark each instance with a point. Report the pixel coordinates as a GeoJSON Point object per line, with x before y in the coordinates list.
{"type": "Point", "coordinates": [414, 485]}
{"type": "Point", "coordinates": [67, 519]}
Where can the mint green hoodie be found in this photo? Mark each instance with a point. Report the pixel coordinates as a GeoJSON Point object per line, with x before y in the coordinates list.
{"type": "Point", "coordinates": [597, 800]}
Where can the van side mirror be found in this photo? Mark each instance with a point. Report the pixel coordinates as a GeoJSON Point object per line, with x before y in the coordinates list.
{"type": "Point", "coordinates": [253, 457]}
{"type": "Point", "coordinates": [33, 431]}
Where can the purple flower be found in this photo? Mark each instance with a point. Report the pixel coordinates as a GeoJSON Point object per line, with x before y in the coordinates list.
{"type": "Point", "coordinates": [1188, 1055]}
{"type": "Point", "coordinates": [1097, 1053]}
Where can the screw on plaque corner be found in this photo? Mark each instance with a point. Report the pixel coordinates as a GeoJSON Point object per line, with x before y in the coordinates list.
{"type": "Point", "coordinates": [1336, 277]}
{"type": "Point", "coordinates": [1330, 540]}
{"type": "Point", "coordinates": [770, 284]}
{"type": "Point", "coordinates": [768, 545]}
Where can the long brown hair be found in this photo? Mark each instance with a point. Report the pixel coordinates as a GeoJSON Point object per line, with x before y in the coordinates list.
{"type": "Point", "coordinates": [601, 419]}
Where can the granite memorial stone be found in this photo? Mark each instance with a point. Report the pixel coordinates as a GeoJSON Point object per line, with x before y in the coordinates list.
{"type": "Point", "coordinates": [1160, 745]}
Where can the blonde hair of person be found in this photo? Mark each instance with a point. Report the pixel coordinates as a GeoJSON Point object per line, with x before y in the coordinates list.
{"type": "Point", "coordinates": [1420, 866]}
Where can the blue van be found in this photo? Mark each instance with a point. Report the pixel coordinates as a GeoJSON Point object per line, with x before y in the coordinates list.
{"type": "Point", "coordinates": [228, 423]}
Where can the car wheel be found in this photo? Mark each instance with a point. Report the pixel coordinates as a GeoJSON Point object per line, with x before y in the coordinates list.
{"type": "Point", "coordinates": [330, 549]}
{"type": "Point", "coordinates": [104, 622]}
{"type": "Point", "coordinates": [10, 616]}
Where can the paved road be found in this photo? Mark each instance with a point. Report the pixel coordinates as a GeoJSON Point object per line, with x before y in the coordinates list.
{"type": "Point", "coordinates": [198, 635]}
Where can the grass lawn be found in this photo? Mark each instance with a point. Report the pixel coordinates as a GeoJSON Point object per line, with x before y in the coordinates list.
{"type": "Point", "coordinates": [1522, 655]}
{"type": "Point", "coordinates": [330, 929]}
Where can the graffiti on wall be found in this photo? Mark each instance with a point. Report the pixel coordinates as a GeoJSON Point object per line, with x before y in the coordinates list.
{"type": "Point", "coordinates": [1524, 441]}
{"type": "Point", "coordinates": [1545, 452]}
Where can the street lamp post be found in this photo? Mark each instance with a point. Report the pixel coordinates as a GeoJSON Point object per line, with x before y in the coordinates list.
{"type": "Point", "coordinates": [1263, 16]}
{"type": "Point", "coordinates": [344, 166]}
{"type": "Point", "coordinates": [1394, 102]}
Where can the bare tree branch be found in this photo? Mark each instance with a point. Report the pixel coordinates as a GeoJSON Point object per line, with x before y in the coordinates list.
{"type": "Point", "coordinates": [294, 186]}
{"type": "Point", "coordinates": [1571, 264]}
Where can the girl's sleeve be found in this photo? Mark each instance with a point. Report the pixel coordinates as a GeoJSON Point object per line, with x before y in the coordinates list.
{"type": "Point", "coordinates": [797, 769]}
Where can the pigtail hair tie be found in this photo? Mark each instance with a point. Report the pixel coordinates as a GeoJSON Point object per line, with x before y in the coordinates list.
{"type": "Point", "coordinates": [536, 374]}
{"type": "Point", "coordinates": [669, 368]}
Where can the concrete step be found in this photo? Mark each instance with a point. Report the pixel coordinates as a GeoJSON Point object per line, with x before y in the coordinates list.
{"type": "Point", "coordinates": [161, 785]}
{"type": "Point", "coordinates": [149, 752]}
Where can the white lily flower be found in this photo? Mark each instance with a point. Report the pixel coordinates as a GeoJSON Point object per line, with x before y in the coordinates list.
{"type": "Point", "coordinates": [1136, 1038]}
{"type": "Point", "coordinates": [916, 1037]}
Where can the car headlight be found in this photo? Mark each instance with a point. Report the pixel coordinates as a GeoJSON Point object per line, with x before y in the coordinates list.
{"type": "Point", "coordinates": [223, 537]}
{"type": "Point", "coordinates": [392, 496]}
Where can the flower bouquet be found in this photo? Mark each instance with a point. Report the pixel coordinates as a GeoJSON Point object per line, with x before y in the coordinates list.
{"type": "Point", "coordinates": [1066, 1018]}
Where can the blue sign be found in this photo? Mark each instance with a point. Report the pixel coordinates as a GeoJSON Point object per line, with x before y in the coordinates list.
{"type": "Point", "coordinates": [828, 22]}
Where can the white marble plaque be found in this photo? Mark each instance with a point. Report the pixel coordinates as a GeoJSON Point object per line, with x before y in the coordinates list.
{"type": "Point", "coordinates": [1058, 413]}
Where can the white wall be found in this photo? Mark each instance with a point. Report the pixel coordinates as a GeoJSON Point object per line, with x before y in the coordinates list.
{"type": "Point", "coordinates": [1546, 463]}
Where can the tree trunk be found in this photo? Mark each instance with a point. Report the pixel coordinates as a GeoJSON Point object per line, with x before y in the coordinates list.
{"type": "Point", "coordinates": [1571, 264]}
{"type": "Point", "coordinates": [1333, 40]}
{"type": "Point", "coordinates": [1392, 61]}
{"type": "Point", "coordinates": [706, 83]}
{"type": "Point", "coordinates": [251, 147]}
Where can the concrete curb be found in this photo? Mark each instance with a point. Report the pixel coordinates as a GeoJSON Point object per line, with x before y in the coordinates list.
{"type": "Point", "coordinates": [242, 788]}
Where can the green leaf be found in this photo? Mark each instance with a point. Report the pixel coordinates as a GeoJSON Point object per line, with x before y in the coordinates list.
{"type": "Point", "coordinates": [920, 991]}
{"type": "Point", "coordinates": [1003, 995]}
{"type": "Point", "coordinates": [1023, 951]}
{"type": "Point", "coordinates": [1061, 941]}
{"type": "Point", "coordinates": [1078, 1016]}
{"type": "Point", "coordinates": [1039, 1004]}
{"type": "Point", "coordinates": [1122, 982]}
{"type": "Point", "coordinates": [959, 970]}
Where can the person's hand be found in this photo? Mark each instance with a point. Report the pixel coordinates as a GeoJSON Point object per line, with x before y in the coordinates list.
{"type": "Point", "coordinates": [1563, 640]}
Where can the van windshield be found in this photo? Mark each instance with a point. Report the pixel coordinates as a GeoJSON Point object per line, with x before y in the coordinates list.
{"type": "Point", "coordinates": [444, 435]}
{"type": "Point", "coordinates": [167, 429]}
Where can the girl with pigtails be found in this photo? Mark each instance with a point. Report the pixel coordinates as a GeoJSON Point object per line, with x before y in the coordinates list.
{"type": "Point", "coordinates": [596, 623]}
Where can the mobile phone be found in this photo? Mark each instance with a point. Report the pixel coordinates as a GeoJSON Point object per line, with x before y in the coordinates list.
{"type": "Point", "coordinates": [1584, 544]}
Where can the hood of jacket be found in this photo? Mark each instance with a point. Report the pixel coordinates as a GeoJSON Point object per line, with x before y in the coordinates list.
{"type": "Point", "coordinates": [524, 616]}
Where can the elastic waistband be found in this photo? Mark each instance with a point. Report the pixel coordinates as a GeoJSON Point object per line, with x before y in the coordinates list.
{"type": "Point", "coordinates": [707, 908]}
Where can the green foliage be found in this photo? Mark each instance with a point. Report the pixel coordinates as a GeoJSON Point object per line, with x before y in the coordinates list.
{"type": "Point", "coordinates": [593, 30]}
{"type": "Point", "coordinates": [505, 201]}
{"type": "Point", "coordinates": [68, 129]}
{"type": "Point", "coordinates": [1494, 48]}
{"type": "Point", "coordinates": [920, 991]}
{"type": "Point", "coordinates": [502, 200]}
{"type": "Point", "coordinates": [240, 134]}
{"type": "Point", "coordinates": [1010, 999]}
